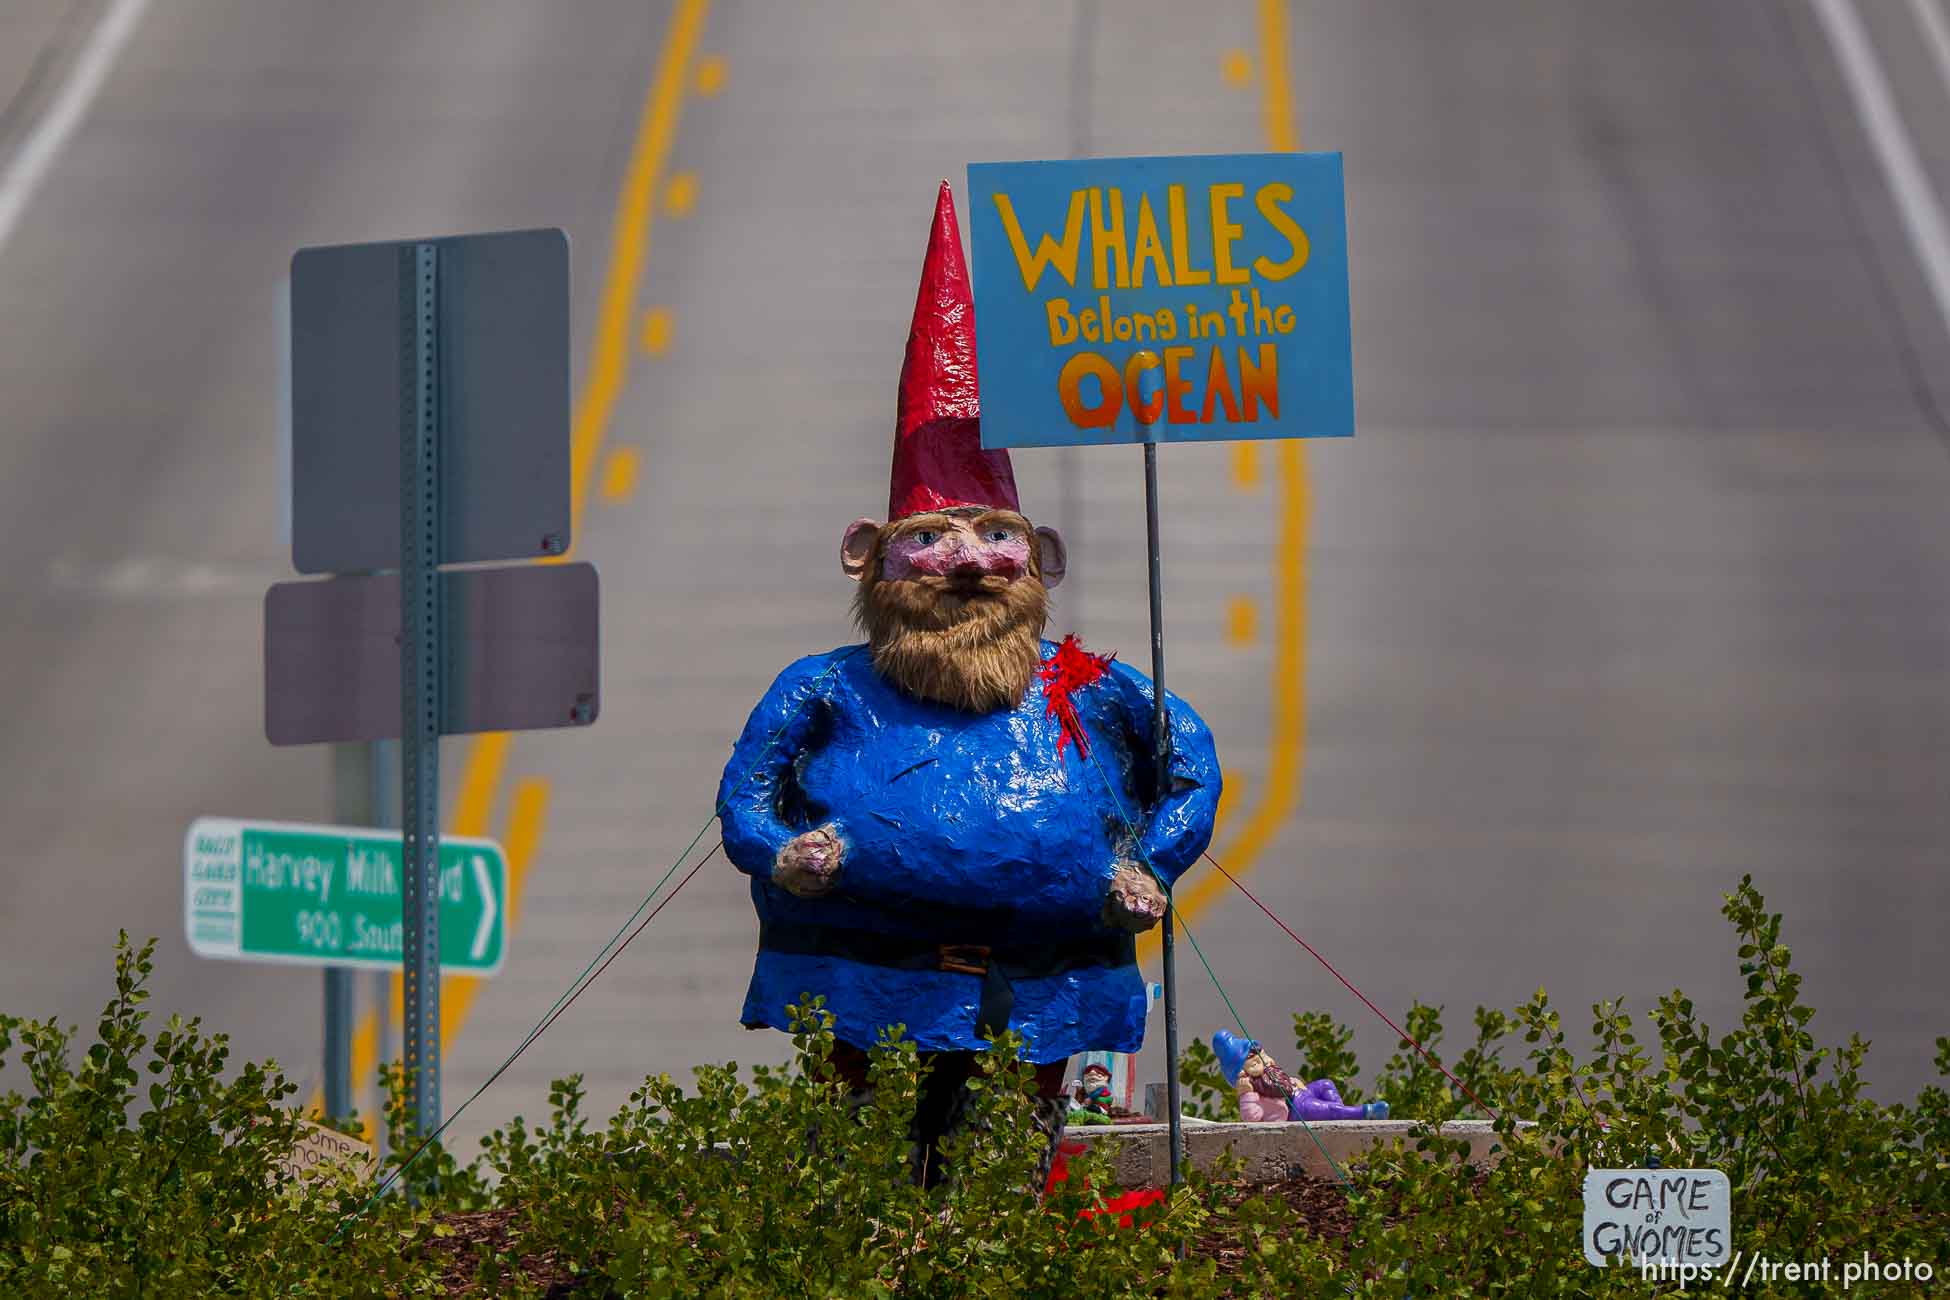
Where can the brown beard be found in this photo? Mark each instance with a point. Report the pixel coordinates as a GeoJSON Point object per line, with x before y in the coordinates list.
{"type": "Point", "coordinates": [975, 646]}
{"type": "Point", "coordinates": [1275, 1082]}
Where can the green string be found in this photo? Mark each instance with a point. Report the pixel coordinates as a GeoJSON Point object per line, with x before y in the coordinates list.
{"type": "Point", "coordinates": [601, 952]}
{"type": "Point", "coordinates": [1180, 916]}
{"type": "Point", "coordinates": [1145, 857]}
{"type": "Point", "coordinates": [570, 991]}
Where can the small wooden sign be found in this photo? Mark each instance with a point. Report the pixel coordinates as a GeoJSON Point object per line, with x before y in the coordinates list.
{"type": "Point", "coordinates": [319, 1148]}
{"type": "Point", "coordinates": [1665, 1217]}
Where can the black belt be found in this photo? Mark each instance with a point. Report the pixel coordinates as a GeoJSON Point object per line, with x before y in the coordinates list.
{"type": "Point", "coordinates": [997, 966]}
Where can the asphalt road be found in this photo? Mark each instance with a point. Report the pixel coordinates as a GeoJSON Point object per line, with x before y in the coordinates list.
{"type": "Point", "coordinates": [1632, 581]}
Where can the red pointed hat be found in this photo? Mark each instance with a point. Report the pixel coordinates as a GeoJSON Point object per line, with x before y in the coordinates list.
{"type": "Point", "coordinates": [938, 458]}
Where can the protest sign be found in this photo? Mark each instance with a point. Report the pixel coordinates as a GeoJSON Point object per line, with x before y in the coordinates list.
{"type": "Point", "coordinates": [1161, 299]}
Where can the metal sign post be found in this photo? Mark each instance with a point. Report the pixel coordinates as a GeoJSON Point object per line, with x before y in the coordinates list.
{"type": "Point", "coordinates": [437, 368]}
{"type": "Point", "coordinates": [352, 804]}
{"type": "Point", "coordinates": [420, 660]}
{"type": "Point", "coordinates": [1161, 768]}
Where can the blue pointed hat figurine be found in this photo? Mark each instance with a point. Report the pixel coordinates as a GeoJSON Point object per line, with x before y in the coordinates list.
{"type": "Point", "coordinates": [1274, 1095]}
{"type": "Point", "coordinates": [1232, 1051]}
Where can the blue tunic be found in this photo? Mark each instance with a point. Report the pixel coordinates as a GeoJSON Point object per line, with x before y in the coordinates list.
{"type": "Point", "coordinates": [958, 828]}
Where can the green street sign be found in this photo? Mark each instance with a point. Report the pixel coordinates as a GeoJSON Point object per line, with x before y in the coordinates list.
{"type": "Point", "coordinates": [330, 896]}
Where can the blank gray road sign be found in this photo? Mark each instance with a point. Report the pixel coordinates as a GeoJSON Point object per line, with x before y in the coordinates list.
{"type": "Point", "coordinates": [504, 446]}
{"type": "Point", "coordinates": [521, 654]}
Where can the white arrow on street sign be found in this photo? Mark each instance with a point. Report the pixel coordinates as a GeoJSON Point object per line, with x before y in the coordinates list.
{"type": "Point", "coordinates": [485, 931]}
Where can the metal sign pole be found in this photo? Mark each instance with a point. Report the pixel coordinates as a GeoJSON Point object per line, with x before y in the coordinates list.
{"type": "Point", "coordinates": [1161, 755]}
{"type": "Point", "coordinates": [385, 816]}
{"type": "Point", "coordinates": [352, 805]}
{"type": "Point", "coordinates": [338, 1041]}
{"type": "Point", "coordinates": [420, 659]}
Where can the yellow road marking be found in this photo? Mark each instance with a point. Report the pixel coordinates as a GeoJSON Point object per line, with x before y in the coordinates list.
{"type": "Point", "coordinates": [1229, 797]}
{"type": "Point", "coordinates": [620, 474]}
{"type": "Point", "coordinates": [457, 992]}
{"type": "Point", "coordinates": [1282, 123]}
{"type": "Point", "coordinates": [680, 196]}
{"type": "Point", "coordinates": [1236, 67]}
{"type": "Point", "coordinates": [656, 330]}
{"type": "Point", "coordinates": [526, 817]}
{"type": "Point", "coordinates": [629, 246]}
{"type": "Point", "coordinates": [1242, 623]}
{"type": "Point", "coordinates": [1245, 464]}
{"type": "Point", "coordinates": [710, 75]}
{"type": "Point", "coordinates": [480, 782]}
{"type": "Point", "coordinates": [1289, 685]}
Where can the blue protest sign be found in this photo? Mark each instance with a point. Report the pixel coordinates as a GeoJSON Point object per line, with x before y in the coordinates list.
{"type": "Point", "coordinates": [1201, 298]}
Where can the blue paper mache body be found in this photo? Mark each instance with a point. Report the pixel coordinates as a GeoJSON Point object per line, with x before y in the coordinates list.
{"type": "Point", "coordinates": [959, 829]}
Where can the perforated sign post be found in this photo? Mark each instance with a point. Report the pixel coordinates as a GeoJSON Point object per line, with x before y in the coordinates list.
{"type": "Point", "coordinates": [1148, 300]}
{"type": "Point", "coordinates": [430, 426]}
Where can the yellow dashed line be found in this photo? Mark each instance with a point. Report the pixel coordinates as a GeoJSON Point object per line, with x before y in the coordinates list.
{"type": "Point", "coordinates": [656, 330]}
{"type": "Point", "coordinates": [1236, 67]}
{"type": "Point", "coordinates": [1245, 465]}
{"type": "Point", "coordinates": [680, 196]}
{"type": "Point", "coordinates": [620, 474]}
{"type": "Point", "coordinates": [710, 75]}
{"type": "Point", "coordinates": [1242, 621]}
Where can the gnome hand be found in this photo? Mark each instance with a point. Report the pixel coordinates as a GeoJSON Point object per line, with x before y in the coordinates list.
{"type": "Point", "coordinates": [809, 864]}
{"type": "Point", "coordinates": [1136, 902]}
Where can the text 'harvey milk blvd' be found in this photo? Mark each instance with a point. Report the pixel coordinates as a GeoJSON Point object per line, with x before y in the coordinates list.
{"type": "Point", "coordinates": [331, 896]}
{"type": "Point", "coordinates": [1197, 298]}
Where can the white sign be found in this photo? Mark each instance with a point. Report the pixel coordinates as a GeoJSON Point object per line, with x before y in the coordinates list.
{"type": "Point", "coordinates": [331, 896]}
{"type": "Point", "coordinates": [1665, 1216]}
{"type": "Point", "coordinates": [319, 1148]}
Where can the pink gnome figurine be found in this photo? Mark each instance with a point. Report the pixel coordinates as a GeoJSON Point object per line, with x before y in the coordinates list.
{"type": "Point", "coordinates": [1268, 1094]}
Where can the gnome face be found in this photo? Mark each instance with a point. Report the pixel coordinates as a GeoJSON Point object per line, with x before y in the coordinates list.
{"type": "Point", "coordinates": [954, 589]}
{"type": "Point", "coordinates": [1269, 1080]}
{"type": "Point", "coordinates": [953, 602]}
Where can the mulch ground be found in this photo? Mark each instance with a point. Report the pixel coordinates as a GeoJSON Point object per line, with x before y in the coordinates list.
{"type": "Point", "coordinates": [493, 1230]}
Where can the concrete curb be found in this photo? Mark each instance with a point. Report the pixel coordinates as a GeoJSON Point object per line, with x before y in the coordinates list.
{"type": "Point", "coordinates": [1141, 1153]}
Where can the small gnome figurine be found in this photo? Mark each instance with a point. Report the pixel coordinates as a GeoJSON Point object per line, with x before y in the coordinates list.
{"type": "Point", "coordinates": [1268, 1094]}
{"type": "Point", "coordinates": [959, 827]}
{"type": "Point", "coordinates": [1090, 1103]}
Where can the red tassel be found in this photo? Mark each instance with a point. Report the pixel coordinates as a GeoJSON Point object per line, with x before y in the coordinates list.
{"type": "Point", "coordinates": [1070, 668]}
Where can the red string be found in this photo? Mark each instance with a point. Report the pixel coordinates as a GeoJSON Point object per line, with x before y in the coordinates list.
{"type": "Point", "coordinates": [1351, 989]}
{"type": "Point", "coordinates": [626, 943]}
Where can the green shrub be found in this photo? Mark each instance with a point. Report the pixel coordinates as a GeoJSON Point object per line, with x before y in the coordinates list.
{"type": "Point", "coordinates": [772, 1182]}
{"type": "Point", "coordinates": [110, 1188]}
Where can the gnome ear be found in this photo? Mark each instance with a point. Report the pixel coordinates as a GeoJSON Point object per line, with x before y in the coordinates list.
{"type": "Point", "coordinates": [856, 547]}
{"type": "Point", "coordinates": [1051, 559]}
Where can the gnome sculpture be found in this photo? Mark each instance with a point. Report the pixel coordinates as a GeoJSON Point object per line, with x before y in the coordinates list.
{"type": "Point", "coordinates": [959, 827]}
{"type": "Point", "coordinates": [1090, 1100]}
{"type": "Point", "coordinates": [1268, 1094]}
